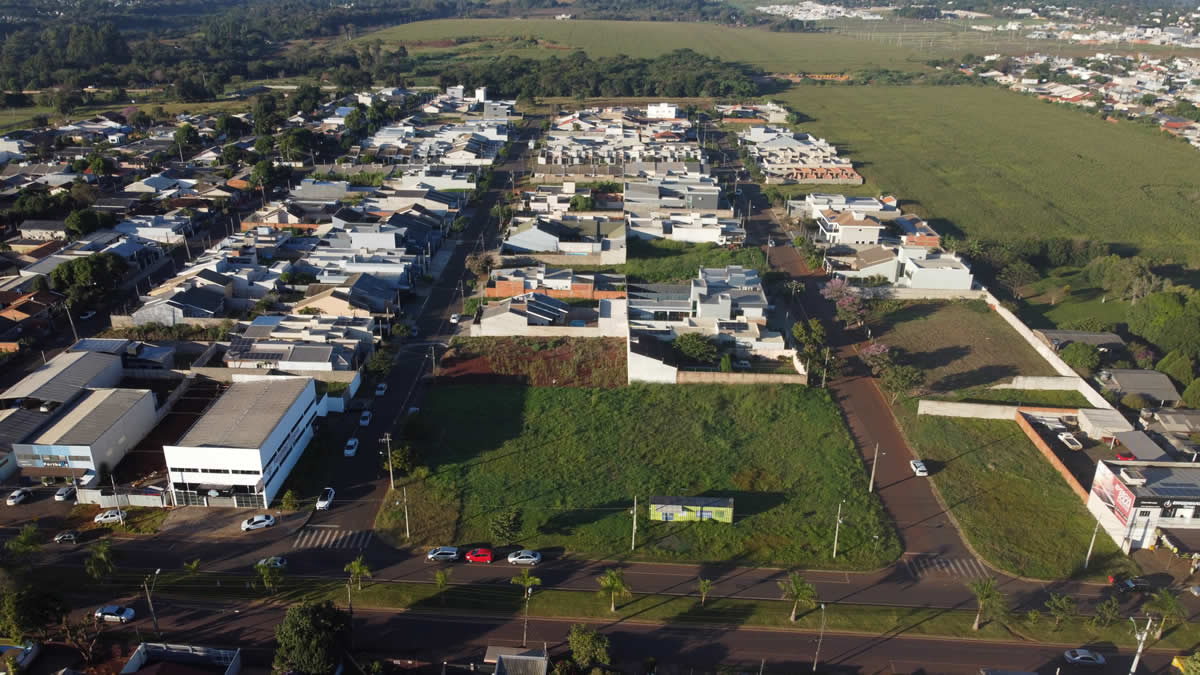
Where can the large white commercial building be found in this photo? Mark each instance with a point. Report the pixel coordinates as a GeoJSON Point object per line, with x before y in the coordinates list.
{"type": "Point", "coordinates": [242, 450]}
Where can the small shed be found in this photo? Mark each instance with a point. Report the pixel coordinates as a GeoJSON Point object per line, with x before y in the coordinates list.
{"type": "Point", "coordinates": [692, 508]}
{"type": "Point", "coordinates": [1102, 423]}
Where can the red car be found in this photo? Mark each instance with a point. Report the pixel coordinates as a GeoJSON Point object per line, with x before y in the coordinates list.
{"type": "Point", "coordinates": [480, 555]}
{"type": "Point", "coordinates": [1125, 456]}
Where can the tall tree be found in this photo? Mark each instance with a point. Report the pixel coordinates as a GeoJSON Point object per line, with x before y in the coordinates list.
{"type": "Point", "coordinates": [613, 583]}
{"type": "Point", "coordinates": [797, 589]}
{"type": "Point", "coordinates": [101, 560]}
{"type": "Point", "coordinates": [704, 586]}
{"type": "Point", "coordinates": [988, 599]}
{"type": "Point", "coordinates": [312, 639]}
{"type": "Point", "coordinates": [588, 647]}
{"type": "Point", "coordinates": [270, 575]}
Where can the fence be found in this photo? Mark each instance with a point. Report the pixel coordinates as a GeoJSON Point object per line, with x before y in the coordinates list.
{"type": "Point", "coordinates": [1076, 383]}
{"type": "Point", "coordinates": [1048, 452]}
{"type": "Point", "coordinates": [112, 501]}
{"type": "Point", "coordinates": [982, 411]}
{"type": "Point", "coordinates": [920, 293]}
{"type": "Point", "coordinates": [706, 377]}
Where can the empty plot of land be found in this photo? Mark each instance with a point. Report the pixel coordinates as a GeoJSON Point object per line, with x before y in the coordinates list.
{"type": "Point", "coordinates": [569, 461]}
{"type": "Point", "coordinates": [561, 362]}
{"type": "Point", "coordinates": [958, 344]}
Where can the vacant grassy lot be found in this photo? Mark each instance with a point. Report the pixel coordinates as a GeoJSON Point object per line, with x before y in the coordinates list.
{"type": "Point", "coordinates": [959, 345]}
{"type": "Point", "coordinates": [992, 163]}
{"type": "Point", "coordinates": [998, 486]}
{"type": "Point", "coordinates": [571, 461]}
{"type": "Point", "coordinates": [663, 261]}
{"type": "Point", "coordinates": [563, 362]}
{"type": "Point", "coordinates": [1066, 297]}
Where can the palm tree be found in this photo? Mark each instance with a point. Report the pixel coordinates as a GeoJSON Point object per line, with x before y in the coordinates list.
{"type": "Point", "coordinates": [705, 587]}
{"type": "Point", "coordinates": [192, 568]}
{"type": "Point", "coordinates": [613, 583]}
{"type": "Point", "coordinates": [270, 574]}
{"type": "Point", "coordinates": [987, 598]}
{"type": "Point", "coordinates": [526, 581]}
{"type": "Point", "coordinates": [357, 569]}
{"type": "Point", "coordinates": [797, 589]}
{"type": "Point", "coordinates": [101, 562]}
{"type": "Point", "coordinates": [441, 581]}
{"type": "Point", "coordinates": [1166, 604]}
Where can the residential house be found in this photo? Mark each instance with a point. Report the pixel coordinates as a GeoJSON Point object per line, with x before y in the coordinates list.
{"type": "Point", "coordinates": [694, 227]}
{"type": "Point", "coordinates": [1151, 385]}
{"type": "Point", "coordinates": [672, 194]}
{"type": "Point", "coordinates": [903, 267]}
{"type": "Point", "coordinates": [851, 228]}
{"type": "Point", "coordinates": [1057, 339]}
{"type": "Point", "coordinates": [42, 230]}
{"type": "Point", "coordinates": [172, 229]}
{"type": "Point", "coordinates": [556, 283]}
{"type": "Point", "coordinates": [359, 295]}
{"type": "Point", "coordinates": [566, 235]}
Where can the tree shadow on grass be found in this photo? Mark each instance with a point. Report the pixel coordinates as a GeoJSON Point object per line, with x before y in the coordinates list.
{"type": "Point", "coordinates": [975, 377]}
{"type": "Point", "coordinates": [938, 358]}
{"type": "Point", "coordinates": [904, 314]}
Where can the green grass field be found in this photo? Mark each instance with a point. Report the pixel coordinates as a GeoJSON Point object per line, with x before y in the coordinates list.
{"type": "Point", "coordinates": [1065, 297]}
{"type": "Point", "coordinates": [996, 484]}
{"type": "Point", "coordinates": [1049, 399]}
{"type": "Point", "coordinates": [992, 163]}
{"type": "Point", "coordinates": [959, 345]}
{"type": "Point", "coordinates": [663, 261]}
{"type": "Point", "coordinates": [572, 460]}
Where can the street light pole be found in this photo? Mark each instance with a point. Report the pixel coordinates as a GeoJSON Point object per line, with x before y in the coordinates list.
{"type": "Point", "coordinates": [874, 463]}
{"type": "Point", "coordinates": [150, 601]}
{"type": "Point", "coordinates": [820, 638]}
{"type": "Point", "coordinates": [387, 439]}
{"type": "Point", "coordinates": [1088, 558]}
{"type": "Point", "coordinates": [525, 629]}
{"type": "Point", "coordinates": [1141, 638]}
{"type": "Point", "coordinates": [837, 527]}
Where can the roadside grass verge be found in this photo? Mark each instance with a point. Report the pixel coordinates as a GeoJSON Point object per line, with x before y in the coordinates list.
{"type": "Point", "coordinates": [665, 261]}
{"type": "Point", "coordinates": [1032, 397]}
{"type": "Point", "coordinates": [1016, 511]}
{"type": "Point", "coordinates": [569, 462]}
{"type": "Point", "coordinates": [959, 345]}
{"type": "Point", "coordinates": [138, 519]}
{"type": "Point", "coordinates": [505, 600]}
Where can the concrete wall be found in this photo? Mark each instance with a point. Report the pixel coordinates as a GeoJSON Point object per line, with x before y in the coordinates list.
{"type": "Point", "coordinates": [488, 329]}
{"type": "Point", "coordinates": [708, 377]}
{"type": "Point", "coordinates": [612, 257]}
{"type": "Point", "coordinates": [227, 374]}
{"type": "Point", "coordinates": [1058, 384]}
{"type": "Point", "coordinates": [921, 293]}
{"type": "Point", "coordinates": [93, 496]}
{"type": "Point", "coordinates": [1048, 453]}
{"type": "Point", "coordinates": [982, 411]}
{"type": "Point", "coordinates": [645, 369]}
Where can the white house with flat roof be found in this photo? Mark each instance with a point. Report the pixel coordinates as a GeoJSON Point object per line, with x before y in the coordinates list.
{"type": "Point", "coordinates": [242, 449]}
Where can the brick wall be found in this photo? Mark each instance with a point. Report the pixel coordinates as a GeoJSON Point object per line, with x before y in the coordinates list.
{"type": "Point", "coordinates": [1048, 452]}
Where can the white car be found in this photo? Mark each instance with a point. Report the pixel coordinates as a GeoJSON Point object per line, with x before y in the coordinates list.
{"type": "Point", "coordinates": [276, 561]}
{"type": "Point", "coordinates": [19, 495]}
{"type": "Point", "coordinates": [364, 420]}
{"type": "Point", "coordinates": [87, 315]}
{"type": "Point", "coordinates": [442, 553]}
{"type": "Point", "coordinates": [109, 517]}
{"type": "Point", "coordinates": [381, 389]}
{"type": "Point", "coordinates": [64, 494]}
{"type": "Point", "coordinates": [258, 522]}
{"type": "Point", "coordinates": [351, 447]}
{"type": "Point", "coordinates": [115, 614]}
{"type": "Point", "coordinates": [918, 468]}
{"type": "Point", "coordinates": [1068, 439]}
{"type": "Point", "coordinates": [524, 558]}
{"type": "Point", "coordinates": [325, 500]}
{"type": "Point", "coordinates": [455, 318]}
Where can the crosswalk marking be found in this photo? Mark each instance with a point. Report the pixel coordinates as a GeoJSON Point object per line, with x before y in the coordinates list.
{"type": "Point", "coordinates": [925, 566]}
{"type": "Point", "coordinates": [309, 537]}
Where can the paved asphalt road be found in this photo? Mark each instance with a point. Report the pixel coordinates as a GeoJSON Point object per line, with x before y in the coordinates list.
{"type": "Point", "coordinates": [462, 640]}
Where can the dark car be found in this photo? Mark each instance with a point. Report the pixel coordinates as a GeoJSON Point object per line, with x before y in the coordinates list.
{"type": "Point", "coordinates": [1131, 585]}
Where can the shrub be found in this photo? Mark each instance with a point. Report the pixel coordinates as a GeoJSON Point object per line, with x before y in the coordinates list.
{"type": "Point", "coordinates": [1084, 358]}
{"type": "Point", "coordinates": [1178, 366]}
{"type": "Point", "coordinates": [696, 347]}
{"type": "Point", "coordinates": [1134, 401]}
{"type": "Point", "coordinates": [1191, 395]}
{"type": "Point", "coordinates": [726, 364]}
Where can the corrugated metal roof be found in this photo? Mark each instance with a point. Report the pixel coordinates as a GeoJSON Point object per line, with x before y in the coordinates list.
{"type": "Point", "coordinates": [62, 378]}
{"type": "Point", "coordinates": [105, 345]}
{"type": "Point", "coordinates": [515, 664]}
{"type": "Point", "coordinates": [245, 414]}
{"type": "Point", "coordinates": [17, 424]}
{"type": "Point", "coordinates": [93, 415]}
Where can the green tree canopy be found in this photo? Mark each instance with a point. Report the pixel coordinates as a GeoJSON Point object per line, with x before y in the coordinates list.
{"type": "Point", "coordinates": [1084, 358]}
{"type": "Point", "coordinates": [696, 347]}
{"type": "Point", "coordinates": [588, 647]}
{"type": "Point", "coordinates": [311, 638]}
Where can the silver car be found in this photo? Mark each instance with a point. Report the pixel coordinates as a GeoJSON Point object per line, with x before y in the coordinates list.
{"type": "Point", "coordinates": [442, 554]}
{"type": "Point", "coordinates": [64, 494]}
{"type": "Point", "coordinates": [19, 495]}
{"type": "Point", "coordinates": [115, 614]}
{"type": "Point", "coordinates": [525, 557]}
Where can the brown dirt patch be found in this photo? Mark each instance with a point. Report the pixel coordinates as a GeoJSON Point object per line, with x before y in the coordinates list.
{"type": "Point", "coordinates": [549, 362]}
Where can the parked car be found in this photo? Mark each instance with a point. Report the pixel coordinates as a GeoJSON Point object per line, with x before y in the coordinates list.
{"type": "Point", "coordinates": [1068, 439]}
{"type": "Point", "coordinates": [454, 318]}
{"type": "Point", "coordinates": [67, 537]}
{"type": "Point", "coordinates": [1126, 456]}
{"type": "Point", "coordinates": [19, 495]}
{"type": "Point", "coordinates": [87, 315]}
{"type": "Point", "coordinates": [442, 554]}
{"type": "Point", "coordinates": [258, 522]}
{"type": "Point", "coordinates": [381, 389]}
{"type": "Point", "coordinates": [742, 364]}
{"type": "Point", "coordinates": [276, 561]}
{"type": "Point", "coordinates": [918, 468]}
{"type": "Point", "coordinates": [1125, 585]}
{"type": "Point", "coordinates": [351, 447]}
{"type": "Point", "coordinates": [64, 494]}
{"type": "Point", "coordinates": [364, 420]}
{"type": "Point", "coordinates": [480, 555]}
{"type": "Point", "coordinates": [115, 614]}
{"type": "Point", "coordinates": [1084, 657]}
{"type": "Point", "coordinates": [524, 557]}
{"type": "Point", "coordinates": [325, 500]}
{"type": "Point", "coordinates": [110, 516]}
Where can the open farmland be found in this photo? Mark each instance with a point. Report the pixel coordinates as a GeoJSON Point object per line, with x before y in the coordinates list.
{"type": "Point", "coordinates": [958, 345]}
{"type": "Point", "coordinates": [572, 459]}
{"type": "Point", "coordinates": [986, 162]}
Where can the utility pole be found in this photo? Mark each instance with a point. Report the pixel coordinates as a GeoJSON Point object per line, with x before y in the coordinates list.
{"type": "Point", "coordinates": [433, 358]}
{"type": "Point", "coordinates": [1141, 638]}
{"type": "Point", "coordinates": [120, 513]}
{"type": "Point", "coordinates": [350, 610]}
{"type": "Point", "coordinates": [525, 628]}
{"type": "Point", "coordinates": [1088, 558]}
{"type": "Point", "coordinates": [71, 321]}
{"type": "Point", "coordinates": [387, 440]}
{"type": "Point", "coordinates": [633, 537]}
{"type": "Point", "coordinates": [837, 527]}
{"type": "Point", "coordinates": [150, 601]}
{"type": "Point", "coordinates": [874, 463]}
{"type": "Point", "coordinates": [820, 639]}
{"type": "Point", "coordinates": [404, 491]}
